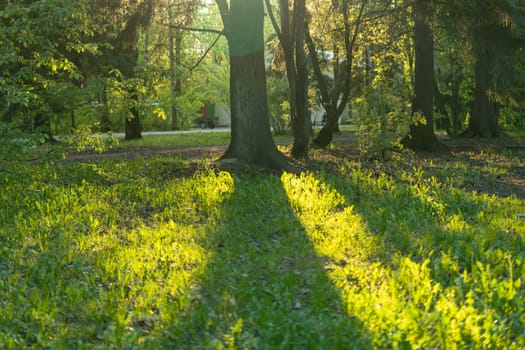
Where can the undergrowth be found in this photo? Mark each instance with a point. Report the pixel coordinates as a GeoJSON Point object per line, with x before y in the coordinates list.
{"type": "Point", "coordinates": [123, 255]}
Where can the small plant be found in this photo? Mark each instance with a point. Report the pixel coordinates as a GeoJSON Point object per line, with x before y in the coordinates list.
{"type": "Point", "coordinates": [85, 138]}
{"type": "Point", "coordinates": [279, 106]}
{"type": "Point", "coordinates": [381, 130]}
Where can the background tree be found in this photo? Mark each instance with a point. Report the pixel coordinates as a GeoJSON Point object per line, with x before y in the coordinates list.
{"type": "Point", "coordinates": [291, 35]}
{"type": "Point", "coordinates": [343, 37]}
{"type": "Point", "coordinates": [493, 30]}
{"type": "Point", "coordinates": [179, 15]}
{"type": "Point", "coordinates": [117, 25]}
{"type": "Point", "coordinates": [38, 38]}
{"type": "Point", "coordinates": [187, 60]}
{"type": "Point", "coordinates": [422, 134]}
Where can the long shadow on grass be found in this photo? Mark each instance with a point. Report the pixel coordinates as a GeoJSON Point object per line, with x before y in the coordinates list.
{"type": "Point", "coordinates": [420, 222]}
{"type": "Point", "coordinates": [435, 256]}
{"type": "Point", "coordinates": [265, 286]}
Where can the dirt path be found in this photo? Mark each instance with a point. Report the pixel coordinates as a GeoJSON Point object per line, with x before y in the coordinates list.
{"type": "Point", "coordinates": [498, 166]}
{"type": "Point", "coordinates": [186, 153]}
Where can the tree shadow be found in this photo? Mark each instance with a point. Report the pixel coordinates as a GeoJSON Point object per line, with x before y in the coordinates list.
{"type": "Point", "coordinates": [264, 286]}
{"type": "Point", "coordinates": [258, 278]}
{"type": "Point", "coordinates": [453, 228]}
{"type": "Point", "coordinates": [436, 252]}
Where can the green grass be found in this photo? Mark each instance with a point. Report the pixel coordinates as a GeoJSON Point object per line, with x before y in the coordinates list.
{"type": "Point", "coordinates": [517, 133]}
{"type": "Point", "coordinates": [120, 255]}
{"type": "Point", "coordinates": [195, 139]}
{"type": "Point", "coordinates": [180, 140]}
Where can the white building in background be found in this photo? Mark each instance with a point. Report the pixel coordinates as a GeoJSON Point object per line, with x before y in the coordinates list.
{"type": "Point", "coordinates": [223, 116]}
{"type": "Point", "coordinates": [318, 114]}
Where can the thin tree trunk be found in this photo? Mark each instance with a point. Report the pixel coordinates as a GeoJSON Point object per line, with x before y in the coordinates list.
{"type": "Point", "coordinates": [440, 104]}
{"type": "Point", "coordinates": [174, 43]}
{"type": "Point", "coordinates": [292, 40]}
{"type": "Point", "coordinates": [455, 81]}
{"type": "Point", "coordinates": [105, 124]}
{"type": "Point", "coordinates": [132, 125]}
{"type": "Point", "coordinates": [73, 120]}
{"type": "Point", "coordinates": [145, 53]}
{"type": "Point", "coordinates": [422, 136]}
{"type": "Point", "coordinates": [302, 125]}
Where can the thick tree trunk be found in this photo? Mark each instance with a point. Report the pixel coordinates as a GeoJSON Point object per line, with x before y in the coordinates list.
{"type": "Point", "coordinates": [484, 117]}
{"type": "Point", "coordinates": [422, 136]}
{"type": "Point", "coordinates": [126, 48]}
{"type": "Point", "coordinates": [251, 139]}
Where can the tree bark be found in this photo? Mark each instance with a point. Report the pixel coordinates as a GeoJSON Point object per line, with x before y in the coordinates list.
{"type": "Point", "coordinates": [422, 136]}
{"type": "Point", "coordinates": [126, 48]}
{"type": "Point", "coordinates": [174, 43]}
{"type": "Point", "coordinates": [455, 83]}
{"type": "Point", "coordinates": [251, 139]}
{"type": "Point", "coordinates": [105, 123]}
{"type": "Point", "coordinates": [484, 117]}
{"type": "Point", "coordinates": [133, 125]}
{"type": "Point", "coordinates": [302, 126]}
{"type": "Point", "coordinates": [291, 37]}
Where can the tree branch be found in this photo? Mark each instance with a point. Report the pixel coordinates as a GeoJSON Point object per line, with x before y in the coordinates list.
{"type": "Point", "coordinates": [205, 53]}
{"type": "Point", "coordinates": [225, 15]}
{"type": "Point", "coordinates": [200, 30]}
{"type": "Point", "coordinates": [192, 68]}
{"type": "Point", "coordinates": [274, 21]}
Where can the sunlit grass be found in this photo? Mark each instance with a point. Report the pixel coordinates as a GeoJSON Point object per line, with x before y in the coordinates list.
{"type": "Point", "coordinates": [123, 255]}
{"type": "Point", "coordinates": [180, 140]}
{"type": "Point", "coordinates": [418, 261]}
{"type": "Point", "coordinates": [193, 139]}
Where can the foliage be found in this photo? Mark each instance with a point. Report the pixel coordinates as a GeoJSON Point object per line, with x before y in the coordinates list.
{"type": "Point", "coordinates": [198, 69]}
{"type": "Point", "coordinates": [512, 118]}
{"type": "Point", "coordinates": [16, 144]}
{"type": "Point", "coordinates": [382, 129]}
{"type": "Point", "coordinates": [38, 39]}
{"type": "Point", "coordinates": [278, 105]}
{"type": "Point", "coordinates": [376, 255]}
{"type": "Point", "coordinates": [85, 138]}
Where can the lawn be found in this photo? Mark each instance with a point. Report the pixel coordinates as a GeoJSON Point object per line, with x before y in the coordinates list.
{"type": "Point", "coordinates": [414, 252]}
{"type": "Point", "coordinates": [180, 140]}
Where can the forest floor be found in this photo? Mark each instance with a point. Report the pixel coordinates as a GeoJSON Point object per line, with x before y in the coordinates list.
{"type": "Point", "coordinates": [155, 244]}
{"type": "Point", "coordinates": [497, 164]}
